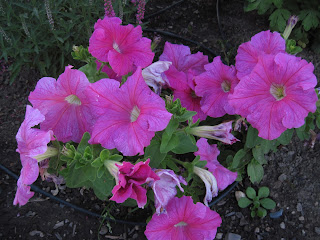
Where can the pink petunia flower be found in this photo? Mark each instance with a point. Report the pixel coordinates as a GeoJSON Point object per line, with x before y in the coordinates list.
{"type": "Point", "coordinates": [210, 153]}
{"type": "Point", "coordinates": [264, 42]}
{"type": "Point", "coordinates": [277, 95]}
{"type": "Point", "coordinates": [214, 86]}
{"type": "Point", "coordinates": [64, 105]}
{"type": "Point", "coordinates": [180, 76]}
{"type": "Point", "coordinates": [165, 188]}
{"type": "Point", "coordinates": [184, 220]}
{"type": "Point", "coordinates": [122, 46]}
{"type": "Point", "coordinates": [32, 145]}
{"type": "Point", "coordinates": [129, 116]}
{"type": "Point", "coordinates": [129, 180]}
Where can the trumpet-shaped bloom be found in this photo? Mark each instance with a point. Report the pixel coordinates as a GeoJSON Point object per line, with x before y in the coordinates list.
{"type": "Point", "coordinates": [184, 220]}
{"type": "Point", "coordinates": [165, 188]}
{"type": "Point", "coordinates": [122, 46]}
{"type": "Point", "coordinates": [64, 105]}
{"type": "Point", "coordinates": [277, 95]}
{"type": "Point", "coordinates": [129, 180]}
{"type": "Point", "coordinates": [210, 153]}
{"type": "Point", "coordinates": [214, 86]}
{"type": "Point", "coordinates": [180, 76]}
{"type": "Point", "coordinates": [221, 132]}
{"type": "Point", "coordinates": [31, 143]}
{"type": "Point", "coordinates": [264, 42]}
{"type": "Point", "coordinates": [129, 116]}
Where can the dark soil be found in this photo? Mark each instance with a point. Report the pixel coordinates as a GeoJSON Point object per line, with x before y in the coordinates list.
{"type": "Point", "coordinates": [292, 174]}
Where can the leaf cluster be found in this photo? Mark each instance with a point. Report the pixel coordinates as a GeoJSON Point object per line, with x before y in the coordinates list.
{"type": "Point", "coordinates": [32, 40]}
{"type": "Point", "coordinates": [279, 12]}
{"type": "Point", "coordinates": [260, 203]}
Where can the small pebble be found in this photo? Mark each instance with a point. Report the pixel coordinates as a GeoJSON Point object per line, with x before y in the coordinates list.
{"type": "Point", "coordinates": [282, 225]}
{"type": "Point", "coordinates": [103, 230]}
{"type": "Point", "coordinates": [135, 236]}
{"type": "Point", "coordinates": [301, 218]}
{"type": "Point", "coordinates": [303, 232]}
{"type": "Point", "coordinates": [58, 236]}
{"type": "Point", "coordinates": [30, 214]}
{"type": "Point", "coordinates": [59, 224]}
{"type": "Point", "coordinates": [299, 207]}
{"type": "Point", "coordinates": [276, 214]}
{"type": "Point", "coordinates": [282, 177]}
{"type": "Point", "coordinates": [90, 231]}
{"type": "Point", "coordinates": [317, 230]}
{"type": "Point", "coordinates": [219, 235]}
{"type": "Point", "coordinates": [257, 230]}
{"type": "Point", "coordinates": [232, 236]}
{"type": "Point", "coordinates": [35, 232]}
{"type": "Point", "coordinates": [230, 214]}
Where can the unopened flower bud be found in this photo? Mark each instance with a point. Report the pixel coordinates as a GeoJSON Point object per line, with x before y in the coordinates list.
{"type": "Point", "coordinates": [292, 21]}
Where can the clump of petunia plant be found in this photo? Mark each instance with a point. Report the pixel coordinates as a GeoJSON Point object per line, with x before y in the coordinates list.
{"type": "Point", "coordinates": [114, 126]}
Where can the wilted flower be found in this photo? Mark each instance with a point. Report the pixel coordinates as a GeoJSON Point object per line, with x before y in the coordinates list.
{"type": "Point", "coordinates": [165, 188]}
{"type": "Point", "coordinates": [184, 220]}
{"type": "Point", "coordinates": [32, 146]}
{"type": "Point", "coordinates": [153, 75]}
{"type": "Point", "coordinates": [209, 181]}
{"type": "Point", "coordinates": [221, 132]}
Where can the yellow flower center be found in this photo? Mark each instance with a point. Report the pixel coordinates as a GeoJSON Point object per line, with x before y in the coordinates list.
{"type": "Point", "coordinates": [73, 99]}
{"type": "Point", "coordinates": [277, 91]}
{"type": "Point", "coordinates": [226, 85]}
{"type": "Point", "coordinates": [134, 114]}
{"type": "Point", "coordinates": [181, 224]}
{"type": "Point", "coordinates": [116, 47]}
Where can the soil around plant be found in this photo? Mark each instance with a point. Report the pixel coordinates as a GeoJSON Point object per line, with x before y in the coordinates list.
{"type": "Point", "coordinates": [292, 173]}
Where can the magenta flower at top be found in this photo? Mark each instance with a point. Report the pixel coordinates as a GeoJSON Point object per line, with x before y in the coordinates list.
{"type": "Point", "coordinates": [165, 188]}
{"type": "Point", "coordinates": [214, 86]}
{"type": "Point", "coordinates": [122, 46]}
{"type": "Point", "coordinates": [129, 180]}
{"type": "Point", "coordinates": [64, 105]}
{"type": "Point", "coordinates": [210, 153]}
{"type": "Point", "coordinates": [129, 116]}
{"type": "Point", "coordinates": [277, 95]}
{"type": "Point", "coordinates": [264, 42]}
{"type": "Point", "coordinates": [32, 142]}
{"type": "Point", "coordinates": [184, 220]}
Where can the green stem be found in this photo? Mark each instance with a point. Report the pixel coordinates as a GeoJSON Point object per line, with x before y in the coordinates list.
{"type": "Point", "coordinates": [102, 65]}
{"type": "Point", "coordinates": [179, 162]}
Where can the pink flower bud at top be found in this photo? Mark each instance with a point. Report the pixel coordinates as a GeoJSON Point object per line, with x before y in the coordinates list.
{"type": "Point", "coordinates": [155, 42]}
{"type": "Point", "coordinates": [221, 132]}
{"type": "Point", "coordinates": [292, 21]}
{"type": "Point", "coordinates": [210, 183]}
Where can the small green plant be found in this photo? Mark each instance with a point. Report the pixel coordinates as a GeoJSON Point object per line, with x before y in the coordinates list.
{"type": "Point", "coordinates": [260, 203]}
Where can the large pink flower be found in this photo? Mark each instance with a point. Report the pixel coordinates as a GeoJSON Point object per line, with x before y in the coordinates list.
{"type": "Point", "coordinates": [214, 86]}
{"type": "Point", "coordinates": [64, 105]}
{"type": "Point", "coordinates": [129, 180]}
{"type": "Point", "coordinates": [165, 188]}
{"type": "Point", "coordinates": [184, 220]}
{"type": "Point", "coordinates": [210, 153]}
{"type": "Point", "coordinates": [264, 42]}
{"type": "Point", "coordinates": [277, 95]}
{"type": "Point", "coordinates": [122, 46]}
{"type": "Point", "coordinates": [129, 116]}
{"type": "Point", "coordinates": [32, 142]}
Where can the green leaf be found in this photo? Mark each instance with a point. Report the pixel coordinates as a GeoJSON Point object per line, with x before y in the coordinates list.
{"type": "Point", "coordinates": [268, 203]}
{"type": "Point", "coordinates": [153, 152]}
{"type": "Point", "coordinates": [244, 202]}
{"type": "Point", "coordinates": [278, 3]}
{"type": "Point", "coordinates": [264, 6]}
{"type": "Point", "coordinates": [261, 212]}
{"type": "Point", "coordinates": [103, 186]}
{"type": "Point", "coordinates": [186, 116]}
{"type": "Point", "coordinates": [91, 72]}
{"type": "Point", "coordinates": [237, 158]}
{"type": "Point", "coordinates": [278, 19]}
{"type": "Point", "coordinates": [97, 163]}
{"type": "Point", "coordinates": [263, 192]}
{"type": "Point", "coordinates": [252, 138]}
{"type": "Point", "coordinates": [253, 214]}
{"type": "Point", "coordinates": [168, 142]}
{"type": "Point", "coordinates": [286, 137]}
{"type": "Point", "coordinates": [258, 154]}
{"type": "Point", "coordinates": [255, 171]}
{"type": "Point", "coordinates": [83, 143]}
{"type": "Point", "coordinates": [251, 193]}
{"type": "Point", "coordinates": [310, 19]}
{"type": "Point", "coordinates": [186, 144]}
